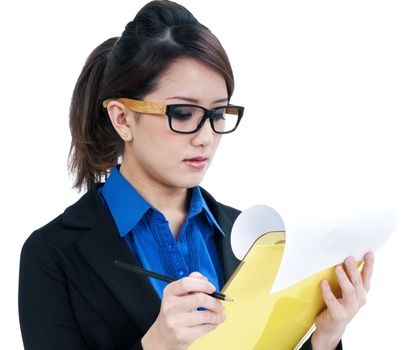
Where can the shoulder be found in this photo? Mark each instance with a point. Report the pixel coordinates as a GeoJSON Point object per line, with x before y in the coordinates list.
{"type": "Point", "coordinates": [67, 227]}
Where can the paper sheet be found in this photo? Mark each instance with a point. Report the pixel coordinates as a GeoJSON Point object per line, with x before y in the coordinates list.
{"type": "Point", "coordinates": [314, 245]}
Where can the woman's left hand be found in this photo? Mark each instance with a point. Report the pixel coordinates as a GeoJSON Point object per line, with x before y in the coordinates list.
{"type": "Point", "coordinates": [331, 323]}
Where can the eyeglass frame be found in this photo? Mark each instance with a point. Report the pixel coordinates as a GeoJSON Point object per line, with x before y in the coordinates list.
{"type": "Point", "coordinates": [161, 109]}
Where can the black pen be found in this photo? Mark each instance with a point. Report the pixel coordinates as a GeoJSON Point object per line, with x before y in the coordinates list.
{"type": "Point", "coordinates": [148, 273]}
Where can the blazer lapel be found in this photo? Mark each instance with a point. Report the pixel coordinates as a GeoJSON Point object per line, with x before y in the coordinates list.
{"type": "Point", "coordinates": [225, 216]}
{"type": "Point", "coordinates": [100, 247]}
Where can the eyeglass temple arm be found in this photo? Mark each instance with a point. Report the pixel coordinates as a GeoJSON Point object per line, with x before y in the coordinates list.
{"type": "Point", "coordinates": [140, 106]}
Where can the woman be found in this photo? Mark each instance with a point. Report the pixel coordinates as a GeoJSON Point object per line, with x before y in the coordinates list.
{"type": "Point", "coordinates": [147, 114]}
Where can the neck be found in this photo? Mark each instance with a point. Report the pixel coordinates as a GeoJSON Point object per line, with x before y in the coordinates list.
{"type": "Point", "coordinates": [166, 199]}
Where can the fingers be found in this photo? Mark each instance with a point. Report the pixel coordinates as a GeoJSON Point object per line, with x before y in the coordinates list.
{"type": "Point", "coordinates": [179, 321]}
{"type": "Point", "coordinates": [347, 288]}
{"type": "Point", "coordinates": [189, 294]}
{"type": "Point", "coordinates": [197, 331]}
{"type": "Point", "coordinates": [201, 300]}
{"type": "Point", "coordinates": [353, 273]}
{"type": "Point", "coordinates": [196, 317]}
{"type": "Point", "coordinates": [193, 283]}
{"type": "Point", "coordinates": [196, 274]}
{"type": "Point", "coordinates": [354, 285]}
{"type": "Point", "coordinates": [330, 300]}
{"type": "Point", "coordinates": [360, 280]}
{"type": "Point", "coordinates": [367, 271]}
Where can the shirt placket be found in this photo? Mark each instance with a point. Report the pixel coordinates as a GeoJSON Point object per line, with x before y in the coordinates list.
{"type": "Point", "coordinates": [171, 254]}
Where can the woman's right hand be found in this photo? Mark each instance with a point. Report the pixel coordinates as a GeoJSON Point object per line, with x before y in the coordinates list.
{"type": "Point", "coordinates": [179, 323]}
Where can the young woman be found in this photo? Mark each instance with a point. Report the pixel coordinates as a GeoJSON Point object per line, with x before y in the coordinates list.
{"type": "Point", "coordinates": [147, 115]}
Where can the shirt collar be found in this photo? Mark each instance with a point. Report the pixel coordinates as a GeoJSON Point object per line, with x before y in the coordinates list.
{"type": "Point", "coordinates": [128, 207]}
{"type": "Point", "coordinates": [197, 204]}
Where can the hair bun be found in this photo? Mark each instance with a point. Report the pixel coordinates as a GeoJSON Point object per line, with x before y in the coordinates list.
{"type": "Point", "coordinates": [130, 28]}
{"type": "Point", "coordinates": [157, 16]}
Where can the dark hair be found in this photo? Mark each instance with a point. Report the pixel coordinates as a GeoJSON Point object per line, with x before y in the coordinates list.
{"type": "Point", "coordinates": [131, 66]}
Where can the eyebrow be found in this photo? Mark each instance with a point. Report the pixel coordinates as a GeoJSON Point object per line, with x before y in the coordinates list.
{"type": "Point", "coordinates": [193, 100]}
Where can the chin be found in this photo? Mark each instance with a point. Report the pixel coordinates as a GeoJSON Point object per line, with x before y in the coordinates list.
{"type": "Point", "coordinates": [190, 181]}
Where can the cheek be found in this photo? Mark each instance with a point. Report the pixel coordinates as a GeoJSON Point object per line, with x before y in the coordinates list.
{"type": "Point", "coordinates": [216, 141]}
{"type": "Point", "coordinates": [168, 143]}
{"type": "Point", "coordinates": [158, 144]}
{"type": "Point", "coordinates": [218, 138]}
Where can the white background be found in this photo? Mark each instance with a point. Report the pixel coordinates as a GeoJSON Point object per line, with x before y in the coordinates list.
{"type": "Point", "coordinates": [330, 90]}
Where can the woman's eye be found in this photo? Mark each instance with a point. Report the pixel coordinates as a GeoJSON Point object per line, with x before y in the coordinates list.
{"type": "Point", "coordinates": [182, 115]}
{"type": "Point", "coordinates": [219, 115]}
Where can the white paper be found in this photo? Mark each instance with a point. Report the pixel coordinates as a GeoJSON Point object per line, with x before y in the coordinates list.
{"type": "Point", "coordinates": [317, 244]}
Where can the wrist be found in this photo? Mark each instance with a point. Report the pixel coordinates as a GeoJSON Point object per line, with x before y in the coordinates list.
{"type": "Point", "coordinates": [322, 341]}
{"type": "Point", "coordinates": [153, 340]}
{"type": "Point", "coordinates": [148, 341]}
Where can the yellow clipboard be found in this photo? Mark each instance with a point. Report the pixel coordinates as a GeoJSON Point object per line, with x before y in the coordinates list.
{"type": "Point", "coordinates": [257, 320]}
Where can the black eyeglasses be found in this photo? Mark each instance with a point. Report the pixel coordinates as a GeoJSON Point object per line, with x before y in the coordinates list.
{"type": "Point", "coordinates": [188, 118]}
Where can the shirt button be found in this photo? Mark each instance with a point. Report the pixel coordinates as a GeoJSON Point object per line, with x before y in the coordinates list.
{"type": "Point", "coordinates": [182, 239]}
{"type": "Point", "coordinates": [181, 272]}
{"type": "Point", "coordinates": [170, 246]}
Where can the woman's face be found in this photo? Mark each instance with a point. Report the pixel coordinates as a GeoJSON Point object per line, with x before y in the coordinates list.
{"type": "Point", "coordinates": [160, 156]}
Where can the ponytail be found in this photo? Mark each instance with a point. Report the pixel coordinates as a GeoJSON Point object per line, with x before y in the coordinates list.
{"type": "Point", "coordinates": [95, 146]}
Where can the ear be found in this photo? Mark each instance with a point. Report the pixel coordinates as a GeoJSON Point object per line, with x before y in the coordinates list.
{"type": "Point", "coordinates": [122, 119]}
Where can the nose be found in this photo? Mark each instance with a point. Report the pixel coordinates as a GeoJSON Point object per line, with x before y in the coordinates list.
{"type": "Point", "coordinates": [204, 136]}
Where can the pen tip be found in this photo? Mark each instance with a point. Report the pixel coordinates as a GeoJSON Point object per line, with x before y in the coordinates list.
{"type": "Point", "coordinates": [227, 298]}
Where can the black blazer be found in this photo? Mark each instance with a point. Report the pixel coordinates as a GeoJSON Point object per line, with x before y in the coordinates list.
{"type": "Point", "coordinates": [70, 294]}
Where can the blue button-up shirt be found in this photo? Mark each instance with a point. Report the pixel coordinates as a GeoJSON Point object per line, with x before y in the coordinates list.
{"type": "Point", "coordinates": [148, 235]}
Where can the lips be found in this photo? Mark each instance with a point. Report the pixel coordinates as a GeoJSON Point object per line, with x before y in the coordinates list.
{"type": "Point", "coordinates": [197, 159]}
{"type": "Point", "coordinates": [198, 162]}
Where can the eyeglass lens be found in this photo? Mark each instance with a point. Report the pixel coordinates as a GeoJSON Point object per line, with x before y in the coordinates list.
{"type": "Point", "coordinates": [188, 118]}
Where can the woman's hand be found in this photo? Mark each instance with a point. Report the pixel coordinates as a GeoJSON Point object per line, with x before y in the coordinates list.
{"type": "Point", "coordinates": [179, 322]}
{"type": "Point", "coordinates": [331, 323]}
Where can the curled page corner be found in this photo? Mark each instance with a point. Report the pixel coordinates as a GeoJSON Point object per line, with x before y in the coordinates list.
{"type": "Point", "coordinates": [251, 224]}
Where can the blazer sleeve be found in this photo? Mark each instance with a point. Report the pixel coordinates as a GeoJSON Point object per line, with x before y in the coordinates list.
{"type": "Point", "coordinates": [46, 318]}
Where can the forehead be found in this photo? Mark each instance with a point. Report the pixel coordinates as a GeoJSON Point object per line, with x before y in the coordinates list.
{"type": "Point", "coordinates": [193, 79]}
